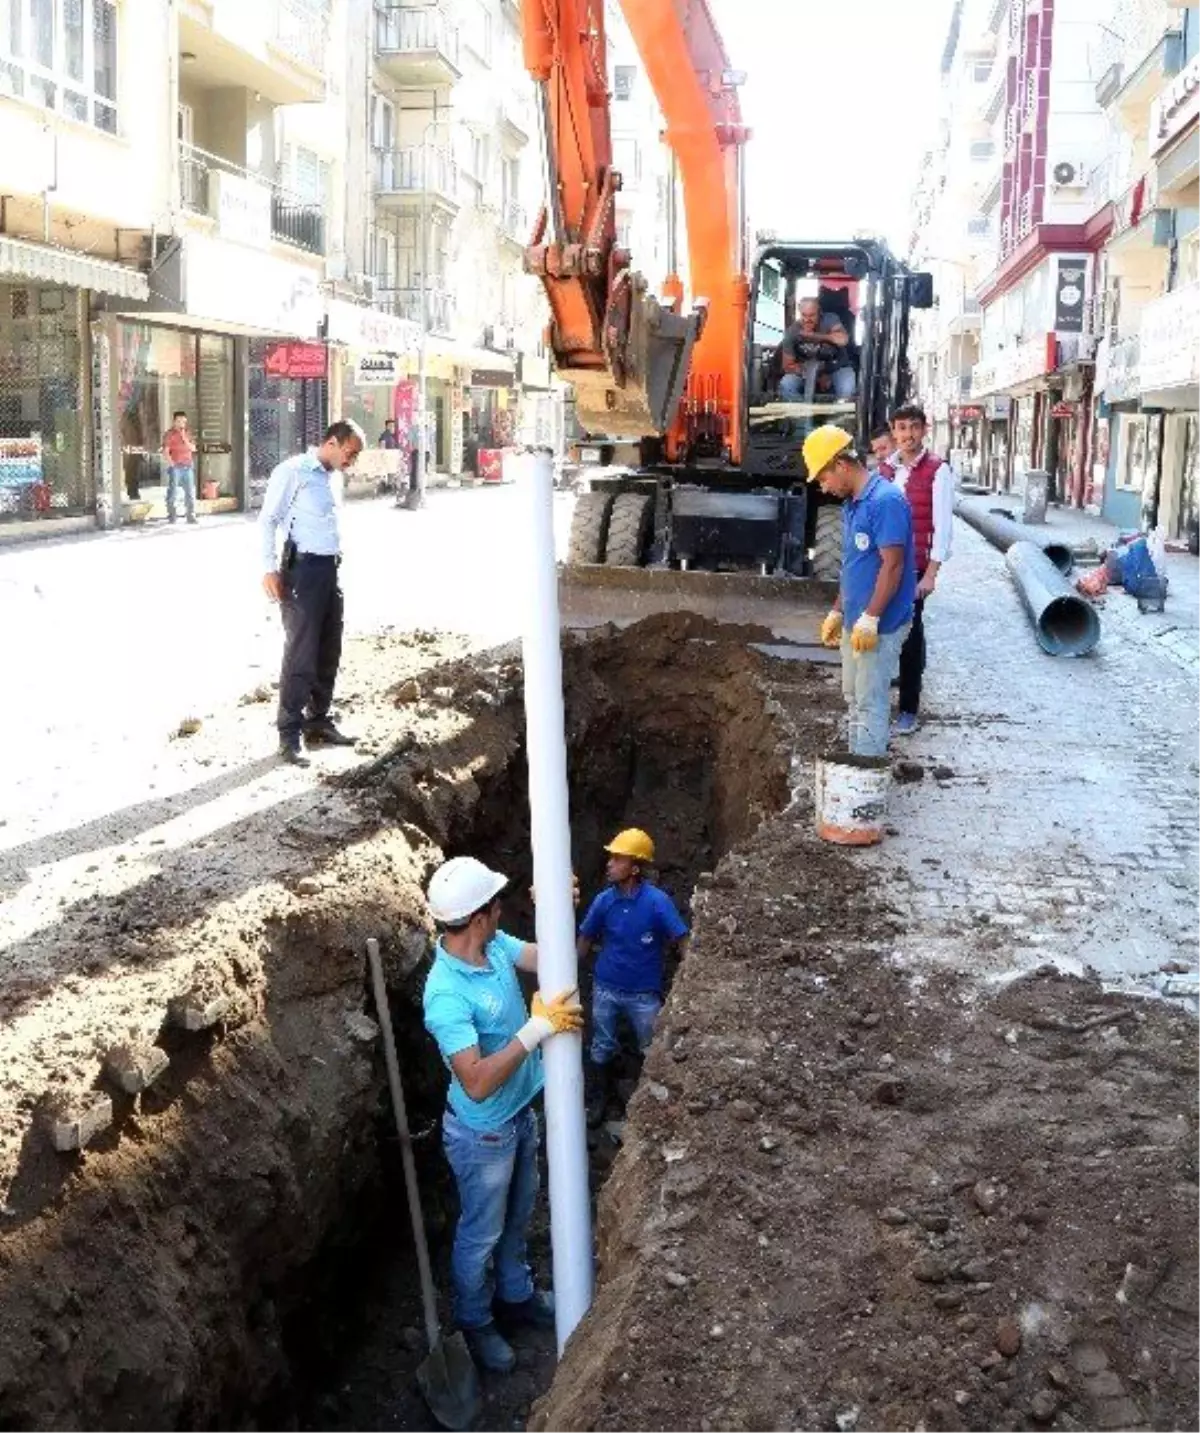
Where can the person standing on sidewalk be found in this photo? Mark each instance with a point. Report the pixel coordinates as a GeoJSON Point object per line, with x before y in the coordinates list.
{"type": "Point", "coordinates": [180, 453]}
{"type": "Point", "coordinates": [871, 616]}
{"type": "Point", "coordinates": [635, 924]}
{"type": "Point", "coordinates": [475, 1011]}
{"type": "Point", "coordinates": [302, 503]}
{"type": "Point", "coordinates": [927, 481]}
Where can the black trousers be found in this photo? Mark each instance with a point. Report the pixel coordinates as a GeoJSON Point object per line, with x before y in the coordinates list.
{"type": "Point", "coordinates": [912, 661]}
{"type": "Point", "coordinates": [312, 648]}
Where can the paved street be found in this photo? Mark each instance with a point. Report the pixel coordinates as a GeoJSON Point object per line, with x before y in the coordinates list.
{"type": "Point", "coordinates": [1068, 827]}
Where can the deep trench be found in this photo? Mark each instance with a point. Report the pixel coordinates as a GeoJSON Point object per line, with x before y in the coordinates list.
{"type": "Point", "coordinates": [676, 739]}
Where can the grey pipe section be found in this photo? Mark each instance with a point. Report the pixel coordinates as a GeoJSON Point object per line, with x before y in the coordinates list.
{"type": "Point", "coordinates": [1065, 624]}
{"type": "Point", "coordinates": [1002, 532]}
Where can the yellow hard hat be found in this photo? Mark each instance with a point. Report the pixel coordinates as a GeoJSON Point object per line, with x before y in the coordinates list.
{"type": "Point", "coordinates": [632, 843]}
{"type": "Point", "coordinates": [821, 446]}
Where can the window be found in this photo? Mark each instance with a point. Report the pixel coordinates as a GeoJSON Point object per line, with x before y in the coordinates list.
{"type": "Point", "coordinates": [979, 227]}
{"type": "Point", "coordinates": [623, 78]}
{"type": "Point", "coordinates": [62, 54]}
{"type": "Point", "coordinates": [477, 29]}
{"type": "Point", "coordinates": [982, 149]}
{"type": "Point", "coordinates": [981, 70]}
{"type": "Point", "coordinates": [383, 123]}
{"type": "Point", "coordinates": [627, 160]}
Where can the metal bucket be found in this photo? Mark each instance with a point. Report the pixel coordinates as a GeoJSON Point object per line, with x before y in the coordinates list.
{"type": "Point", "coordinates": [851, 798]}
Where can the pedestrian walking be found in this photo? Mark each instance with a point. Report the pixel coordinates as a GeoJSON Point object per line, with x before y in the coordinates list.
{"type": "Point", "coordinates": [927, 481]}
{"type": "Point", "coordinates": [301, 503]}
{"type": "Point", "coordinates": [180, 453]}
{"type": "Point", "coordinates": [475, 1011]}
{"type": "Point", "coordinates": [635, 924]}
{"type": "Point", "coordinates": [873, 611]}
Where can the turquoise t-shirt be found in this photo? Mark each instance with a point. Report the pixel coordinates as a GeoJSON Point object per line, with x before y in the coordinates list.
{"type": "Point", "coordinates": [481, 1005]}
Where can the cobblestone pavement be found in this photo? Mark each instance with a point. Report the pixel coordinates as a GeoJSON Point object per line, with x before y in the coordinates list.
{"type": "Point", "coordinates": [1068, 829]}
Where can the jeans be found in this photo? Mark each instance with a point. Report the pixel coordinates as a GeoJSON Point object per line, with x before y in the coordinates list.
{"type": "Point", "coordinates": [640, 1008]}
{"type": "Point", "coordinates": [497, 1176]}
{"type": "Point", "coordinates": [912, 661]}
{"type": "Point", "coordinates": [800, 388]}
{"type": "Point", "coordinates": [181, 475]}
{"type": "Point", "coordinates": [312, 648]}
{"type": "Point", "coordinates": [866, 686]}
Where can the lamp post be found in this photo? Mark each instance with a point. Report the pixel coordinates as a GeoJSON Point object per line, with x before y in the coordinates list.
{"type": "Point", "coordinates": [415, 498]}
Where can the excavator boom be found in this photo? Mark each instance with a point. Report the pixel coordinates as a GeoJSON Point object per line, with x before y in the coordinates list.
{"type": "Point", "coordinates": [640, 366]}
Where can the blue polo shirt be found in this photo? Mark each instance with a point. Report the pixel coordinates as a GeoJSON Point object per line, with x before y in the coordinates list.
{"type": "Point", "coordinates": [878, 517]}
{"type": "Point", "coordinates": [632, 931]}
{"type": "Point", "coordinates": [480, 1005]}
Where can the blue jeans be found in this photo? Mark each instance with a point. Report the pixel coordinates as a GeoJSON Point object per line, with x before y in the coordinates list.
{"type": "Point", "coordinates": [640, 1008]}
{"type": "Point", "coordinates": [801, 387]}
{"type": "Point", "coordinates": [181, 475]}
{"type": "Point", "coordinates": [866, 685]}
{"type": "Point", "coordinates": [497, 1176]}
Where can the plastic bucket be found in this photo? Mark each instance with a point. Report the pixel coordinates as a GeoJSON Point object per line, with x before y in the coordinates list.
{"type": "Point", "coordinates": [851, 798]}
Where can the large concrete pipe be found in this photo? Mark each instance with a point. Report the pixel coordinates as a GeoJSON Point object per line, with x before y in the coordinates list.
{"type": "Point", "coordinates": [1002, 532]}
{"type": "Point", "coordinates": [1065, 624]}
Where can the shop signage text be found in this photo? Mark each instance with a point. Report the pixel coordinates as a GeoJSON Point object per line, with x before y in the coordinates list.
{"type": "Point", "coordinates": [1176, 107]}
{"type": "Point", "coordinates": [377, 368]}
{"type": "Point", "coordinates": [965, 412]}
{"type": "Point", "coordinates": [1117, 376]}
{"type": "Point", "coordinates": [369, 330]}
{"type": "Point", "coordinates": [1070, 275]}
{"type": "Point", "coordinates": [1170, 341]}
{"type": "Point", "coordinates": [1021, 364]}
{"type": "Point", "coordinates": [243, 209]}
{"type": "Point", "coordinates": [295, 360]}
{"type": "Point", "coordinates": [250, 290]}
{"type": "Point", "coordinates": [490, 378]}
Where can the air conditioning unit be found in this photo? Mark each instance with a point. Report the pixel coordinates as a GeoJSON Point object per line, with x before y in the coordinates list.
{"type": "Point", "coordinates": [1068, 174]}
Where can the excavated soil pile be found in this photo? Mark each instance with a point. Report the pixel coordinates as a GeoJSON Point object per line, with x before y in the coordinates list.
{"type": "Point", "coordinates": [852, 1195]}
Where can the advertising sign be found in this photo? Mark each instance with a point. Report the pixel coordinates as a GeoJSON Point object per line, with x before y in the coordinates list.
{"type": "Point", "coordinates": [383, 369]}
{"type": "Point", "coordinates": [1070, 277]}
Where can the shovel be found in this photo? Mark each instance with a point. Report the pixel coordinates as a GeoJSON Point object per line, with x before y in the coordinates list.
{"type": "Point", "coordinates": [447, 1378]}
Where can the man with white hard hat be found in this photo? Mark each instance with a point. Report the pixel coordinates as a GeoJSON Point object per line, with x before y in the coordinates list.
{"type": "Point", "coordinates": [475, 1011]}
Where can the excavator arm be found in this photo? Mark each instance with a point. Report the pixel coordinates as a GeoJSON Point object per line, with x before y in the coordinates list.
{"type": "Point", "coordinates": [640, 366]}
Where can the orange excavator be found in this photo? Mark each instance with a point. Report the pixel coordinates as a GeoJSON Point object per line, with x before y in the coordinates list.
{"type": "Point", "coordinates": [694, 418]}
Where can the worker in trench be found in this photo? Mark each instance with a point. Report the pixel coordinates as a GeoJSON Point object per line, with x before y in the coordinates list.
{"type": "Point", "coordinates": [635, 925]}
{"type": "Point", "coordinates": [871, 616]}
{"type": "Point", "coordinates": [475, 1011]}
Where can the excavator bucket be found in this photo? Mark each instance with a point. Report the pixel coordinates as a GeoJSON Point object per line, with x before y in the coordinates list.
{"type": "Point", "coordinates": [650, 350]}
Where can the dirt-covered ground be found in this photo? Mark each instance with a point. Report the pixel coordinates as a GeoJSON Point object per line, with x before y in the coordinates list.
{"type": "Point", "coordinates": [852, 1192]}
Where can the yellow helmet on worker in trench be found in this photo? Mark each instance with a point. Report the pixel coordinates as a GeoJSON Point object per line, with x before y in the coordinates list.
{"type": "Point", "coordinates": [632, 843]}
{"type": "Point", "coordinates": [821, 446]}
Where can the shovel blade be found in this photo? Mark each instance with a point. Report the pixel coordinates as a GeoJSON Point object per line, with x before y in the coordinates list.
{"type": "Point", "coordinates": [450, 1385]}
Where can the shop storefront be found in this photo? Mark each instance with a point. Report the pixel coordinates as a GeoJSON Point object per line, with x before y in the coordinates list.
{"type": "Point", "coordinates": [46, 462]}
{"type": "Point", "coordinates": [1169, 382]}
{"type": "Point", "coordinates": [287, 404]}
{"type": "Point", "coordinates": [374, 357]}
{"type": "Point", "coordinates": [965, 421]}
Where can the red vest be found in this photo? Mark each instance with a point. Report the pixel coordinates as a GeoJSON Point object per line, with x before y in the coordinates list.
{"type": "Point", "coordinates": [919, 492]}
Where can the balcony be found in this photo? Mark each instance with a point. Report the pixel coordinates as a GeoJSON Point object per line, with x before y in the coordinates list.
{"type": "Point", "coordinates": [274, 48]}
{"type": "Point", "coordinates": [969, 318]}
{"type": "Point", "coordinates": [246, 208]}
{"type": "Point", "coordinates": [1169, 341]}
{"type": "Point", "coordinates": [408, 304]}
{"type": "Point", "coordinates": [416, 177]}
{"type": "Point", "coordinates": [514, 224]}
{"type": "Point", "coordinates": [1141, 84]}
{"type": "Point", "coordinates": [516, 118]}
{"type": "Point", "coordinates": [416, 45]}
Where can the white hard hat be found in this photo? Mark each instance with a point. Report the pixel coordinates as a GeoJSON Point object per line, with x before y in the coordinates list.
{"type": "Point", "coordinates": [461, 887]}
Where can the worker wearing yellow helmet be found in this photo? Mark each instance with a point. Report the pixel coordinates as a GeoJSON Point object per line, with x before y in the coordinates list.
{"type": "Point", "coordinates": [634, 923]}
{"type": "Point", "coordinates": [873, 610]}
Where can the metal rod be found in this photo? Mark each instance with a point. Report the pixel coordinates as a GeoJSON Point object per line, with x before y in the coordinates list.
{"type": "Point", "coordinates": [546, 747]}
{"type": "Point", "coordinates": [555, 224]}
{"type": "Point", "coordinates": [1065, 624]}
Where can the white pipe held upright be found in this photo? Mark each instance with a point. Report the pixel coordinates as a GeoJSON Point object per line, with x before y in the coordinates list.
{"type": "Point", "coordinates": [566, 1133]}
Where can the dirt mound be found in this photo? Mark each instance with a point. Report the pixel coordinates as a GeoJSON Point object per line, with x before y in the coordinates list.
{"type": "Point", "coordinates": [856, 1196]}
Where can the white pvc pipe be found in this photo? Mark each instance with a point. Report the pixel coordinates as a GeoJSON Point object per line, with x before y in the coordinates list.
{"type": "Point", "coordinates": [566, 1132]}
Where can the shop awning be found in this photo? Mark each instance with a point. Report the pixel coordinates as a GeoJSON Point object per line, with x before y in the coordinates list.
{"type": "Point", "coordinates": [44, 264]}
{"type": "Point", "coordinates": [468, 357]}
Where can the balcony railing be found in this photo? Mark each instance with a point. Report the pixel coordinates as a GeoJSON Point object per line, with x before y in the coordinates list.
{"type": "Point", "coordinates": [514, 222]}
{"type": "Point", "coordinates": [291, 218]}
{"type": "Point", "coordinates": [300, 32]}
{"type": "Point", "coordinates": [416, 168]}
{"type": "Point", "coordinates": [407, 304]}
{"type": "Point", "coordinates": [409, 30]}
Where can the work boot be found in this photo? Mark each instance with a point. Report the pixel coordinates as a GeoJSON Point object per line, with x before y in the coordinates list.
{"type": "Point", "coordinates": [535, 1312]}
{"type": "Point", "coordinates": [290, 753]}
{"type": "Point", "coordinates": [597, 1091]}
{"type": "Point", "coordinates": [323, 733]}
{"type": "Point", "coordinates": [490, 1350]}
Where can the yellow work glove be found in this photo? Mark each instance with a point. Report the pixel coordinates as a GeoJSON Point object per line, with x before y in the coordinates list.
{"type": "Point", "coordinates": [864, 635]}
{"type": "Point", "coordinates": [831, 630]}
{"type": "Point", "coordinates": [551, 1017]}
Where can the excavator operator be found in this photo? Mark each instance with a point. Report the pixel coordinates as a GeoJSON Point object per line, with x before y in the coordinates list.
{"type": "Point", "coordinates": [815, 347]}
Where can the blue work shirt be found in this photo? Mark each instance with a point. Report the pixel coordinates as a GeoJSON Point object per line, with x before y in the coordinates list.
{"type": "Point", "coordinates": [302, 501]}
{"type": "Point", "coordinates": [879, 517]}
{"type": "Point", "coordinates": [632, 931]}
{"type": "Point", "coordinates": [481, 1005]}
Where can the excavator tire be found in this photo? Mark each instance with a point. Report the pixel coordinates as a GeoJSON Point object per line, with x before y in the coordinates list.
{"type": "Point", "coordinates": [827, 545]}
{"type": "Point", "coordinates": [629, 530]}
{"type": "Point", "coordinates": [589, 529]}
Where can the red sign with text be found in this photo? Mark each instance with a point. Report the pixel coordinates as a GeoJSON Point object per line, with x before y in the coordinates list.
{"type": "Point", "coordinates": [295, 360]}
